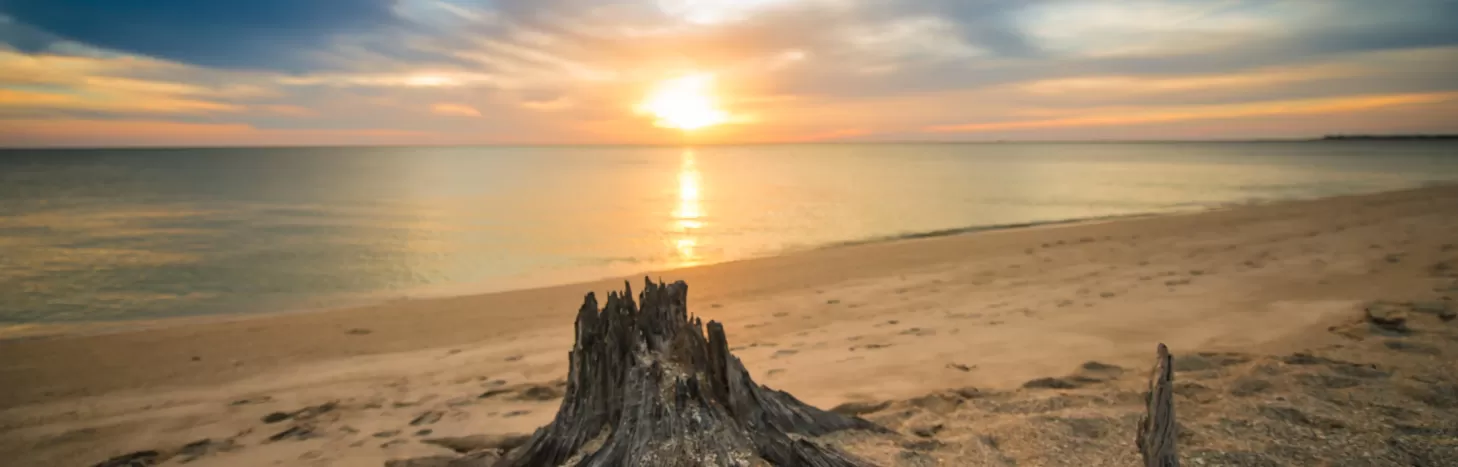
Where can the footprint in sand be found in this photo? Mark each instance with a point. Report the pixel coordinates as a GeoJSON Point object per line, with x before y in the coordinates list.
{"type": "Point", "coordinates": [492, 393]}
{"type": "Point", "coordinates": [926, 431]}
{"type": "Point", "coordinates": [392, 443]}
{"type": "Point", "coordinates": [540, 393]}
{"type": "Point", "coordinates": [296, 432]}
{"type": "Point", "coordinates": [919, 332]}
{"type": "Point", "coordinates": [427, 418]}
{"type": "Point", "coordinates": [251, 400]}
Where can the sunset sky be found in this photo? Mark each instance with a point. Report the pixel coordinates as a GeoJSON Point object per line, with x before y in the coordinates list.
{"type": "Point", "coordinates": [296, 72]}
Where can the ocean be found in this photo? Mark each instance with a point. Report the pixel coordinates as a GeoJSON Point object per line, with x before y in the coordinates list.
{"type": "Point", "coordinates": [123, 234]}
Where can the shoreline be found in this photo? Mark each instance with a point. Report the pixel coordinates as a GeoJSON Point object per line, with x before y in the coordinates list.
{"type": "Point", "coordinates": [51, 329]}
{"type": "Point", "coordinates": [990, 309]}
{"type": "Point", "coordinates": [93, 328]}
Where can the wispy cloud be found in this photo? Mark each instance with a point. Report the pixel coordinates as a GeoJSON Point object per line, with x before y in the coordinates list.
{"type": "Point", "coordinates": [454, 110]}
{"type": "Point", "coordinates": [795, 70]}
{"type": "Point", "coordinates": [1100, 117]}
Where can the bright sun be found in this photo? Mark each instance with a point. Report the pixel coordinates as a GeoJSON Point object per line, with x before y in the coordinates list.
{"type": "Point", "coordinates": [686, 103]}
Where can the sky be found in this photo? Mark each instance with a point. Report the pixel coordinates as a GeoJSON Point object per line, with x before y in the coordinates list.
{"type": "Point", "coordinates": [365, 72]}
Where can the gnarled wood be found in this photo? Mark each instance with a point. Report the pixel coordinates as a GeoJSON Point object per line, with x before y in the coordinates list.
{"type": "Point", "coordinates": [648, 387]}
{"type": "Point", "coordinates": [1156, 439]}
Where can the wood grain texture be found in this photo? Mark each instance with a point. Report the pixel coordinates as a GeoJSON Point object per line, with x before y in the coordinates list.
{"type": "Point", "coordinates": [648, 386]}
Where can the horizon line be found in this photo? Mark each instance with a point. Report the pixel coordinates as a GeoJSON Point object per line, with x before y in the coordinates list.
{"type": "Point", "coordinates": [1335, 137]}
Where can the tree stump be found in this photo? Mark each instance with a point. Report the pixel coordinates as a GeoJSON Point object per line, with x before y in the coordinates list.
{"type": "Point", "coordinates": [1156, 438]}
{"type": "Point", "coordinates": [647, 386]}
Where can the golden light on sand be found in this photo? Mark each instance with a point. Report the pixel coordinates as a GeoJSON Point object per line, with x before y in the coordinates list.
{"type": "Point", "coordinates": [686, 103]}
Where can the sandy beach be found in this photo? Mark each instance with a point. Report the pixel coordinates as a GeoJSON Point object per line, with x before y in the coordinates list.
{"type": "Point", "coordinates": [1264, 306]}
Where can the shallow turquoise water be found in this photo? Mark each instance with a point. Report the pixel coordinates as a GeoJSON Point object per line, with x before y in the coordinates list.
{"type": "Point", "coordinates": [138, 233]}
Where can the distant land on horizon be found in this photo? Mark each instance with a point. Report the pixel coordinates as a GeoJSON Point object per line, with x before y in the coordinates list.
{"type": "Point", "coordinates": [1387, 137]}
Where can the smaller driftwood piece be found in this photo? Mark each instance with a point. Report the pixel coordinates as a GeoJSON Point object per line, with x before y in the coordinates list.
{"type": "Point", "coordinates": [1157, 429]}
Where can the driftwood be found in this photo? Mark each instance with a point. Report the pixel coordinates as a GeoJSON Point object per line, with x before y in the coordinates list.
{"type": "Point", "coordinates": [1156, 439]}
{"type": "Point", "coordinates": [648, 387]}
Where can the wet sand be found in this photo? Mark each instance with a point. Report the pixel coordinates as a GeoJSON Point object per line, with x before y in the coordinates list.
{"type": "Point", "coordinates": [894, 322]}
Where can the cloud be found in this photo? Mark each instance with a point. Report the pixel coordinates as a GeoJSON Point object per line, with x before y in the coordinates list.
{"type": "Point", "coordinates": [414, 79]}
{"type": "Point", "coordinates": [24, 37]}
{"type": "Point", "coordinates": [574, 70]}
{"type": "Point", "coordinates": [454, 110]}
{"type": "Point", "coordinates": [50, 84]}
{"type": "Point", "coordinates": [548, 105]}
{"type": "Point", "coordinates": [265, 34]}
{"type": "Point", "coordinates": [1140, 116]}
{"type": "Point", "coordinates": [87, 132]}
{"type": "Point", "coordinates": [23, 102]}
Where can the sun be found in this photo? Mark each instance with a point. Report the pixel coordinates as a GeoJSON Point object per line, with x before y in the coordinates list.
{"type": "Point", "coordinates": [686, 103]}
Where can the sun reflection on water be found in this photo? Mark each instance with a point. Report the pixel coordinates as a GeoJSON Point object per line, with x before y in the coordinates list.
{"type": "Point", "coordinates": [688, 217]}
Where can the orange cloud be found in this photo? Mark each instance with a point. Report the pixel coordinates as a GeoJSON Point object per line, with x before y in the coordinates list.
{"type": "Point", "coordinates": [11, 99]}
{"type": "Point", "coordinates": [549, 105]}
{"type": "Point", "coordinates": [84, 132]}
{"type": "Point", "coordinates": [1136, 116]}
{"type": "Point", "coordinates": [39, 83]}
{"type": "Point", "coordinates": [454, 110]}
{"type": "Point", "coordinates": [425, 79]}
{"type": "Point", "coordinates": [1158, 84]}
{"type": "Point", "coordinates": [16, 67]}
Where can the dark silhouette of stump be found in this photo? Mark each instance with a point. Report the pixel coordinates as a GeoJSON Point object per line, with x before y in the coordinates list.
{"type": "Point", "coordinates": [1157, 429]}
{"type": "Point", "coordinates": [648, 387]}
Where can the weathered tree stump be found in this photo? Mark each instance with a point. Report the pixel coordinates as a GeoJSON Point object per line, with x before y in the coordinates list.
{"type": "Point", "coordinates": [648, 387]}
{"type": "Point", "coordinates": [1156, 438]}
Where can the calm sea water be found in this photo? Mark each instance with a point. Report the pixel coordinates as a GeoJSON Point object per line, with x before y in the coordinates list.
{"type": "Point", "coordinates": [143, 233]}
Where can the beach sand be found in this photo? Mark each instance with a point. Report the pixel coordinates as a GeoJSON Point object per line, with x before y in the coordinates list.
{"type": "Point", "coordinates": [902, 330]}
